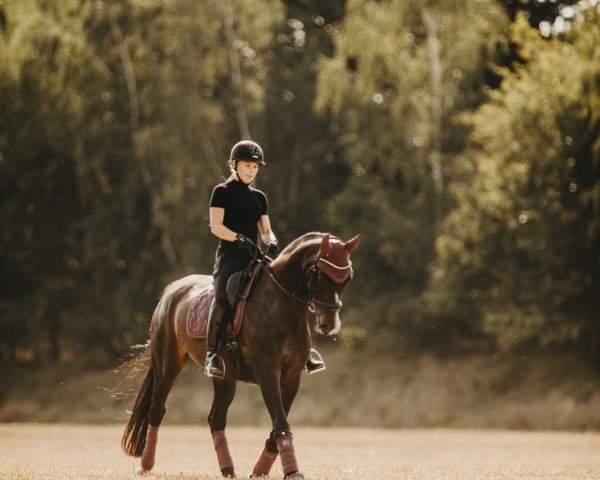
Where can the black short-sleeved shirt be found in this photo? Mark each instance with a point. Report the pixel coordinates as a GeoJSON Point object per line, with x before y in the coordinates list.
{"type": "Point", "coordinates": [243, 204]}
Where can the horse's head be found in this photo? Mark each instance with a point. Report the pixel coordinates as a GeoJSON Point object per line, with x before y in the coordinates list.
{"type": "Point", "coordinates": [326, 279]}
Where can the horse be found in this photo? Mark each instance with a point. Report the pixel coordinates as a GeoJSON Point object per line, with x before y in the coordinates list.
{"type": "Point", "coordinates": [275, 340]}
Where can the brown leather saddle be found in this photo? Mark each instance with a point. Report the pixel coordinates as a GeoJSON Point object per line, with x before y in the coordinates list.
{"type": "Point", "coordinates": [239, 288]}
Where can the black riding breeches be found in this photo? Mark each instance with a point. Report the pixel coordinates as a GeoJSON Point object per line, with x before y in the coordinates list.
{"type": "Point", "coordinates": [227, 262]}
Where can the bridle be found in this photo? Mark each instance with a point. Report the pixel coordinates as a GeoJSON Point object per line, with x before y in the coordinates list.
{"type": "Point", "coordinates": [311, 303]}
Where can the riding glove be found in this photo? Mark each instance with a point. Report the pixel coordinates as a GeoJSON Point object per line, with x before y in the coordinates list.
{"type": "Point", "coordinates": [273, 249]}
{"type": "Point", "coordinates": [245, 243]}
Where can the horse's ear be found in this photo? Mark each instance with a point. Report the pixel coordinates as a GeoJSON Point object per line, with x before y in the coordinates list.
{"type": "Point", "coordinates": [325, 245]}
{"type": "Point", "coordinates": [352, 245]}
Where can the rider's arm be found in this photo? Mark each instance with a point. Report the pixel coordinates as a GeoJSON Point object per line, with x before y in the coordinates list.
{"type": "Point", "coordinates": [217, 228]}
{"type": "Point", "coordinates": [266, 233]}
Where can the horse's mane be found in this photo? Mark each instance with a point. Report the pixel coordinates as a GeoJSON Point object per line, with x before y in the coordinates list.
{"type": "Point", "coordinates": [305, 240]}
{"type": "Point", "coordinates": [300, 240]}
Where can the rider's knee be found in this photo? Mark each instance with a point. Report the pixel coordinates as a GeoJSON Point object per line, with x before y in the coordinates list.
{"type": "Point", "coordinates": [222, 301]}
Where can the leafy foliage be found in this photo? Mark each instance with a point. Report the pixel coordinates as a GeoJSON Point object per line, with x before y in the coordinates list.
{"type": "Point", "coordinates": [401, 74]}
{"type": "Point", "coordinates": [477, 201]}
{"type": "Point", "coordinates": [518, 257]}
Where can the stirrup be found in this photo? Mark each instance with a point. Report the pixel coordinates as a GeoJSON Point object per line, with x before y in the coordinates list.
{"type": "Point", "coordinates": [208, 364]}
{"type": "Point", "coordinates": [318, 359]}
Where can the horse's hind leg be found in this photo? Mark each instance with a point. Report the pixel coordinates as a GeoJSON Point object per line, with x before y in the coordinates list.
{"type": "Point", "coordinates": [224, 392]}
{"type": "Point", "coordinates": [167, 363]}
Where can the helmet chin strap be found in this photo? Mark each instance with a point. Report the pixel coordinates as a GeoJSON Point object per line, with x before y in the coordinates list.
{"type": "Point", "coordinates": [235, 170]}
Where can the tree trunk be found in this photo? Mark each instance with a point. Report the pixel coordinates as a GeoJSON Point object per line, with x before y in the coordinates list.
{"type": "Point", "coordinates": [235, 71]}
{"type": "Point", "coordinates": [435, 161]}
{"type": "Point", "coordinates": [158, 216]}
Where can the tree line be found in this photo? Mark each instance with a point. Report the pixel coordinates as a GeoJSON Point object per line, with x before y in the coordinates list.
{"type": "Point", "coordinates": [459, 138]}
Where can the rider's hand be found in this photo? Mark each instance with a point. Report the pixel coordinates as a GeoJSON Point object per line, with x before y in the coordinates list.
{"type": "Point", "coordinates": [245, 243]}
{"type": "Point", "coordinates": [273, 249]}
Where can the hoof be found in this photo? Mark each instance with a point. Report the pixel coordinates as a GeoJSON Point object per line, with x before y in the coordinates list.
{"type": "Point", "coordinates": [294, 476]}
{"type": "Point", "coordinates": [142, 471]}
{"type": "Point", "coordinates": [228, 472]}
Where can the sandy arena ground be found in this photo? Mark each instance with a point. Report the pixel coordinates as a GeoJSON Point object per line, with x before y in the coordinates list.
{"type": "Point", "coordinates": [81, 452]}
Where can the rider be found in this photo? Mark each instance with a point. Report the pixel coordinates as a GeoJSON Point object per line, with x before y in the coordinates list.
{"type": "Point", "coordinates": [237, 213]}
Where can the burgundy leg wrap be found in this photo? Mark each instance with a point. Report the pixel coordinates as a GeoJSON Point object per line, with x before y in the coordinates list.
{"type": "Point", "coordinates": [264, 464]}
{"type": "Point", "coordinates": [285, 445]}
{"type": "Point", "coordinates": [222, 449]}
{"type": "Point", "coordinates": [150, 448]}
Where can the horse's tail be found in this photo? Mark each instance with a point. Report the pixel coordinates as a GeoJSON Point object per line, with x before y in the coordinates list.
{"type": "Point", "coordinates": [134, 437]}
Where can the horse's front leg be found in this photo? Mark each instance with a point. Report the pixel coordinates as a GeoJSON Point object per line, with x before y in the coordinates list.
{"type": "Point", "coordinates": [224, 392]}
{"type": "Point", "coordinates": [268, 456]}
{"type": "Point", "coordinates": [270, 386]}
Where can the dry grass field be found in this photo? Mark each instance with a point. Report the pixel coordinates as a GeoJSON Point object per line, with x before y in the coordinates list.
{"type": "Point", "coordinates": [82, 452]}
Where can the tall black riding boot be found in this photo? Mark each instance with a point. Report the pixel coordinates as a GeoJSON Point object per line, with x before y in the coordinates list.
{"type": "Point", "coordinates": [212, 368]}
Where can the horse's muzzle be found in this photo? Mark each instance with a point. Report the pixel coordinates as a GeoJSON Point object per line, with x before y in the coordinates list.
{"type": "Point", "coordinates": [328, 323]}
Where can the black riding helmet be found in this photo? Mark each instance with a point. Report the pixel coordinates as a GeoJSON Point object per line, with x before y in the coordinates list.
{"type": "Point", "coordinates": [247, 150]}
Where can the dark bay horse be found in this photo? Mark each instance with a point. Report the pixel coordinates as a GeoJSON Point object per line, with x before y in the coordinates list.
{"type": "Point", "coordinates": [309, 275]}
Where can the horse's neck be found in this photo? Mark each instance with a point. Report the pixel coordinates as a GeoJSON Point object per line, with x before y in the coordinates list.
{"type": "Point", "coordinates": [289, 269]}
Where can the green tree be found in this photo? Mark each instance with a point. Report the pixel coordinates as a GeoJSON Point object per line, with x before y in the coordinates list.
{"type": "Point", "coordinates": [65, 162]}
{"type": "Point", "coordinates": [401, 74]}
{"type": "Point", "coordinates": [304, 165]}
{"type": "Point", "coordinates": [518, 258]}
{"type": "Point", "coordinates": [118, 118]}
{"type": "Point", "coordinates": [203, 72]}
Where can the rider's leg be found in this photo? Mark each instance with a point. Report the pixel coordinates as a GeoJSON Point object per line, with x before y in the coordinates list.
{"type": "Point", "coordinates": [226, 264]}
{"type": "Point", "coordinates": [217, 319]}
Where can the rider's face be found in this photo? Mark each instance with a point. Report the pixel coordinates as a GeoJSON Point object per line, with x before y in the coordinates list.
{"type": "Point", "coordinates": [247, 171]}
